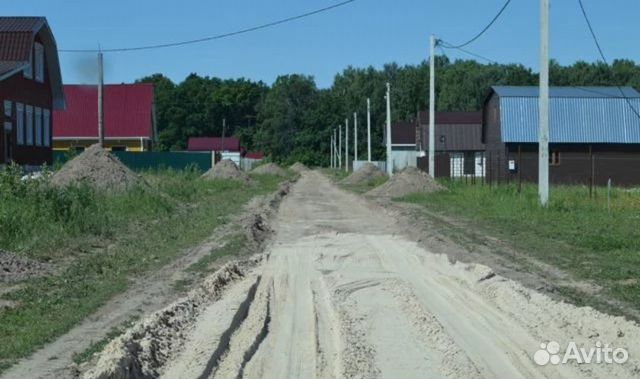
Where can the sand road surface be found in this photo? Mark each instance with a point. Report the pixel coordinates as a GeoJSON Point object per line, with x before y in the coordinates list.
{"type": "Point", "coordinates": [343, 293]}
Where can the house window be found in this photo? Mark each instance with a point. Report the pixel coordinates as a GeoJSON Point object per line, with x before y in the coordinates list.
{"type": "Point", "coordinates": [46, 127]}
{"type": "Point", "coordinates": [39, 62]}
{"type": "Point", "coordinates": [7, 109]}
{"type": "Point", "coordinates": [554, 158]}
{"type": "Point", "coordinates": [20, 123]}
{"type": "Point", "coordinates": [469, 163]}
{"type": "Point", "coordinates": [29, 124]}
{"type": "Point", "coordinates": [38, 126]}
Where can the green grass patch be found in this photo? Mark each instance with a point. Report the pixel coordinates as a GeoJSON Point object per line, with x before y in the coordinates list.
{"type": "Point", "coordinates": [102, 241]}
{"type": "Point", "coordinates": [232, 246]}
{"type": "Point", "coordinates": [366, 186]}
{"type": "Point", "coordinates": [575, 233]}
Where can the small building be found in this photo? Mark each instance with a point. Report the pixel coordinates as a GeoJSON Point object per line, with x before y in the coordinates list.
{"type": "Point", "coordinates": [459, 151]}
{"type": "Point", "coordinates": [229, 144]}
{"type": "Point", "coordinates": [129, 118]}
{"type": "Point", "coordinates": [594, 135]}
{"type": "Point", "coordinates": [404, 150]}
{"type": "Point", "coordinates": [30, 90]}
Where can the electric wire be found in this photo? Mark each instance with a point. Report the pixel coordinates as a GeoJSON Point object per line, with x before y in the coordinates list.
{"type": "Point", "coordinates": [211, 38]}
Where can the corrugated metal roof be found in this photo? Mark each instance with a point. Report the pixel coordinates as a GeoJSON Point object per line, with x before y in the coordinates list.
{"type": "Point", "coordinates": [452, 117]}
{"type": "Point", "coordinates": [455, 137]}
{"type": "Point", "coordinates": [127, 111]}
{"type": "Point", "coordinates": [21, 24]}
{"type": "Point", "coordinates": [213, 144]}
{"type": "Point", "coordinates": [574, 92]}
{"type": "Point", "coordinates": [403, 133]}
{"type": "Point", "coordinates": [591, 118]}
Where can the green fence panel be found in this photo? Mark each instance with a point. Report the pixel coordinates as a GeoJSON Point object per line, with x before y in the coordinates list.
{"type": "Point", "coordinates": [154, 160]}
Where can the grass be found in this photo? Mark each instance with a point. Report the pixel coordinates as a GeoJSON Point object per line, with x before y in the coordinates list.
{"type": "Point", "coordinates": [101, 242]}
{"type": "Point", "coordinates": [232, 245]}
{"type": "Point", "coordinates": [575, 233]}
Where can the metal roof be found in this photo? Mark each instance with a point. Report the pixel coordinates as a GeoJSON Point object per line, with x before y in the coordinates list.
{"type": "Point", "coordinates": [128, 112]}
{"type": "Point", "coordinates": [452, 118]}
{"type": "Point", "coordinates": [576, 115]}
{"type": "Point", "coordinates": [213, 144]}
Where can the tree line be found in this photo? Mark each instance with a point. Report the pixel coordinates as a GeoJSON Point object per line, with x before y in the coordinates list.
{"type": "Point", "coordinates": [292, 120]}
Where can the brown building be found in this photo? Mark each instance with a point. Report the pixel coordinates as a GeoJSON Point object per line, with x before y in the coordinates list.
{"type": "Point", "coordinates": [594, 135]}
{"type": "Point", "coordinates": [459, 150]}
{"type": "Point", "coordinates": [30, 89]}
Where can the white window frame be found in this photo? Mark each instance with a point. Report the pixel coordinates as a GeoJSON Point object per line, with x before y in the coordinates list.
{"type": "Point", "coordinates": [39, 62]}
{"type": "Point", "coordinates": [20, 123]}
{"type": "Point", "coordinates": [38, 124]}
{"type": "Point", "coordinates": [29, 123]}
{"type": "Point", "coordinates": [8, 108]}
{"type": "Point", "coordinates": [46, 127]}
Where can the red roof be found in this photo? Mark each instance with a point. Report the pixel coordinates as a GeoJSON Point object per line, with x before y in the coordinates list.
{"type": "Point", "coordinates": [403, 133]}
{"type": "Point", "coordinates": [254, 155]}
{"type": "Point", "coordinates": [213, 144]}
{"type": "Point", "coordinates": [128, 112]}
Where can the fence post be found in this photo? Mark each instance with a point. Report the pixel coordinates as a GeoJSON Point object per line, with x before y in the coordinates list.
{"type": "Point", "coordinates": [609, 195]}
{"type": "Point", "coordinates": [519, 168]}
{"type": "Point", "coordinates": [592, 178]}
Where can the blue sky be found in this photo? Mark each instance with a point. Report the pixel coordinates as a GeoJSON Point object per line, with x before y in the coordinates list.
{"type": "Point", "coordinates": [367, 32]}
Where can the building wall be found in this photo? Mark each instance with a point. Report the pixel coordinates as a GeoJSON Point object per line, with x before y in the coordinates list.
{"type": "Point", "coordinates": [401, 159]}
{"type": "Point", "coordinates": [19, 89]}
{"type": "Point", "coordinates": [133, 145]}
{"type": "Point", "coordinates": [620, 163]}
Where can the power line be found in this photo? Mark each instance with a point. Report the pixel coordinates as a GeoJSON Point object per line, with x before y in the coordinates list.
{"type": "Point", "coordinates": [211, 38]}
{"type": "Point", "coordinates": [604, 58]}
{"type": "Point", "coordinates": [447, 46]}
{"type": "Point", "coordinates": [495, 18]}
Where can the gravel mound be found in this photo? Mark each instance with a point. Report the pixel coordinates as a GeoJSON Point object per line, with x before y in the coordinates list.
{"type": "Point", "coordinates": [15, 268]}
{"type": "Point", "coordinates": [298, 167]}
{"type": "Point", "coordinates": [364, 175]}
{"type": "Point", "coordinates": [226, 169]}
{"type": "Point", "coordinates": [99, 169]}
{"type": "Point", "coordinates": [271, 169]}
{"type": "Point", "coordinates": [409, 180]}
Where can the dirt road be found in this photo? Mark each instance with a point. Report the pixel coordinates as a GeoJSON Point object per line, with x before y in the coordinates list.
{"type": "Point", "coordinates": [343, 293]}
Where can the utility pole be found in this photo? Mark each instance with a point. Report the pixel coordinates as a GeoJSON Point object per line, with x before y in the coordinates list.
{"type": "Point", "coordinates": [335, 143]}
{"type": "Point", "coordinates": [368, 130]}
{"type": "Point", "coordinates": [224, 126]}
{"type": "Point", "coordinates": [340, 147]}
{"type": "Point", "coordinates": [331, 151]}
{"type": "Point", "coordinates": [346, 144]}
{"type": "Point", "coordinates": [432, 106]}
{"type": "Point", "coordinates": [389, 163]}
{"type": "Point", "coordinates": [355, 136]}
{"type": "Point", "coordinates": [100, 100]}
{"type": "Point", "coordinates": [543, 134]}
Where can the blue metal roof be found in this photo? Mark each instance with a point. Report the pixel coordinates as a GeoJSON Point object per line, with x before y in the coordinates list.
{"type": "Point", "coordinates": [576, 114]}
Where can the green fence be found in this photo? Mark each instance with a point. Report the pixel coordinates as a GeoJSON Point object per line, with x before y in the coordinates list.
{"type": "Point", "coordinates": [153, 160]}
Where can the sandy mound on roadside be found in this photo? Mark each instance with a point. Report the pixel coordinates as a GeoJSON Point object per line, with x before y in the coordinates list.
{"type": "Point", "coordinates": [364, 175]}
{"type": "Point", "coordinates": [99, 169]}
{"type": "Point", "coordinates": [226, 169]}
{"type": "Point", "coordinates": [269, 168]}
{"type": "Point", "coordinates": [407, 181]}
{"type": "Point", "coordinates": [298, 167]}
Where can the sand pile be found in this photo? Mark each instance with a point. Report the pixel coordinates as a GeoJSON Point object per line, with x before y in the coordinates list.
{"type": "Point", "coordinates": [270, 169]}
{"type": "Point", "coordinates": [366, 174]}
{"type": "Point", "coordinates": [97, 168]}
{"type": "Point", "coordinates": [226, 169]}
{"type": "Point", "coordinates": [298, 167]}
{"type": "Point", "coordinates": [407, 181]}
